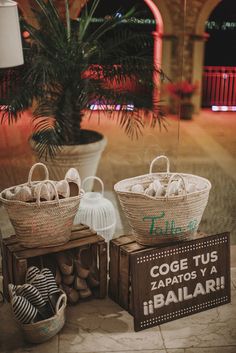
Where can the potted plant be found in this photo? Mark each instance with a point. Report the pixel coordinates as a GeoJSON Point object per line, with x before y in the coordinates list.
{"type": "Point", "coordinates": [183, 91]}
{"type": "Point", "coordinates": [70, 65]}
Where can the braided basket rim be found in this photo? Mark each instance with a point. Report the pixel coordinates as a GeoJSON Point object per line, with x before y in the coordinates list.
{"type": "Point", "coordinates": [151, 176]}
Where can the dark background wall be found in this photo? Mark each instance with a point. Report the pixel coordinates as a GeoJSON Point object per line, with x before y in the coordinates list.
{"type": "Point", "coordinates": [220, 48]}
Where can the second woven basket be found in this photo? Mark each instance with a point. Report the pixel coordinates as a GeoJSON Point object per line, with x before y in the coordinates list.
{"type": "Point", "coordinates": [162, 219]}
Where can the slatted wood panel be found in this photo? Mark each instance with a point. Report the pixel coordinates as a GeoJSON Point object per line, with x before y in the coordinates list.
{"type": "Point", "coordinates": [114, 252]}
{"type": "Point", "coordinates": [16, 259]}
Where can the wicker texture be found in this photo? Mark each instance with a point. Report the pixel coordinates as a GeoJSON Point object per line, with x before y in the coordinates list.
{"type": "Point", "coordinates": [42, 331]}
{"type": "Point", "coordinates": [163, 219]}
{"type": "Point", "coordinates": [42, 224]}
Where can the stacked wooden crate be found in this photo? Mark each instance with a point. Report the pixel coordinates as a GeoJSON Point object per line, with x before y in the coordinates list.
{"type": "Point", "coordinates": [16, 259]}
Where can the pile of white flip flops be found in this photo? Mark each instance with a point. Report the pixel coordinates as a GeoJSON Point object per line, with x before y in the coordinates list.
{"type": "Point", "coordinates": [68, 187]}
{"type": "Point", "coordinates": [157, 188]}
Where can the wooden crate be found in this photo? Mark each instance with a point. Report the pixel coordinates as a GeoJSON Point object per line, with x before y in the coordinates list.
{"type": "Point", "coordinates": [120, 275]}
{"type": "Point", "coordinates": [114, 254]}
{"type": "Point", "coordinates": [119, 288]}
{"type": "Point", "coordinates": [16, 259]}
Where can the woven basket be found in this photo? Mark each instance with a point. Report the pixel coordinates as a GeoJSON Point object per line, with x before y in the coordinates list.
{"type": "Point", "coordinates": [42, 224]}
{"type": "Point", "coordinates": [163, 219]}
{"type": "Point", "coordinates": [42, 331]}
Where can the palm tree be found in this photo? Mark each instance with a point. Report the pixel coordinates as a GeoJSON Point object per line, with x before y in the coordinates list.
{"type": "Point", "coordinates": [71, 64]}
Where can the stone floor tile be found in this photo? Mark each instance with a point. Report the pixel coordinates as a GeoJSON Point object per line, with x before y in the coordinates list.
{"type": "Point", "coordinates": [102, 326]}
{"type": "Point", "coordinates": [212, 328]}
{"type": "Point", "coordinates": [11, 338]}
{"type": "Point", "coordinates": [233, 258]}
{"type": "Point", "coordinates": [223, 349]}
{"type": "Point", "coordinates": [50, 346]}
{"type": "Point", "coordinates": [131, 351]}
{"type": "Point", "coordinates": [9, 330]}
{"type": "Point", "coordinates": [233, 277]}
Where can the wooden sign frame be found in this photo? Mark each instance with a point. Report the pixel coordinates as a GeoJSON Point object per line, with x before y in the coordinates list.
{"type": "Point", "coordinates": [180, 280]}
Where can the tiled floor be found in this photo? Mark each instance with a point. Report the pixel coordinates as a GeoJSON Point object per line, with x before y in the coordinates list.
{"type": "Point", "coordinates": [205, 146]}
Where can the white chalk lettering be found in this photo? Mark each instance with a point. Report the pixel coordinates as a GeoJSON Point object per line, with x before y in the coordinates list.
{"type": "Point", "coordinates": [203, 270]}
{"type": "Point", "coordinates": [154, 285]}
{"type": "Point", "coordinates": [210, 285]}
{"type": "Point", "coordinates": [171, 298]}
{"type": "Point", "coordinates": [175, 279]}
{"type": "Point", "coordinates": [158, 300]}
{"type": "Point", "coordinates": [213, 270]}
{"type": "Point", "coordinates": [182, 294]}
{"type": "Point", "coordinates": [199, 289]}
{"type": "Point", "coordinates": [214, 256]}
{"type": "Point", "coordinates": [164, 269]}
{"type": "Point", "coordinates": [161, 284]}
{"type": "Point", "coordinates": [186, 295]}
{"type": "Point", "coordinates": [204, 259]}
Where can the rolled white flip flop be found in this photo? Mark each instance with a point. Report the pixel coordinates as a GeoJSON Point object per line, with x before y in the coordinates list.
{"type": "Point", "coordinates": [51, 190]}
{"type": "Point", "coordinates": [73, 178]}
{"type": "Point", "coordinates": [23, 194]}
{"type": "Point", "coordinates": [9, 195]}
{"type": "Point", "coordinates": [43, 191]}
{"type": "Point", "coordinates": [63, 188]}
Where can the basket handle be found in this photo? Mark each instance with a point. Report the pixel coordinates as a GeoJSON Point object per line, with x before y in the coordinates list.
{"type": "Point", "coordinates": [94, 178]}
{"type": "Point", "coordinates": [170, 180]}
{"type": "Point", "coordinates": [62, 300]}
{"type": "Point", "coordinates": [156, 159]}
{"type": "Point", "coordinates": [32, 170]}
{"type": "Point", "coordinates": [40, 188]}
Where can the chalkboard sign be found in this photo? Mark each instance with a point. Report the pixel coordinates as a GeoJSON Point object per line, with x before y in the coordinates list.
{"type": "Point", "coordinates": [180, 280]}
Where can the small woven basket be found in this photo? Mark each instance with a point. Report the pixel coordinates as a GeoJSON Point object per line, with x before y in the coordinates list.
{"type": "Point", "coordinates": [42, 331]}
{"type": "Point", "coordinates": [163, 219]}
{"type": "Point", "coordinates": [97, 212]}
{"type": "Point", "coordinates": [41, 224]}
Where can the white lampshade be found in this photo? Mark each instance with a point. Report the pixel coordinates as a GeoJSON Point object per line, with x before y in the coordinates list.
{"type": "Point", "coordinates": [11, 53]}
